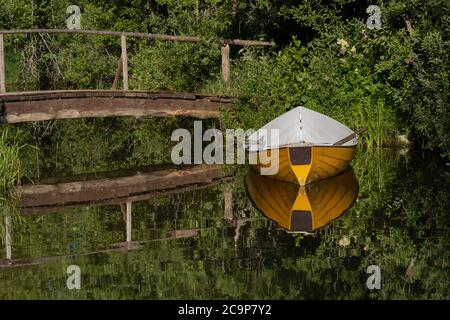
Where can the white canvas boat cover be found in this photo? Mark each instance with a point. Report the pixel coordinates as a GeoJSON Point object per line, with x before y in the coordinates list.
{"type": "Point", "coordinates": [300, 126]}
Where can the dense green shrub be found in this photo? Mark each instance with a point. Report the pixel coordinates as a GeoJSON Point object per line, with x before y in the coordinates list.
{"type": "Point", "coordinates": [339, 86]}
{"type": "Point", "coordinates": [173, 66]}
{"type": "Point", "coordinates": [411, 67]}
{"type": "Point", "coordinates": [393, 80]}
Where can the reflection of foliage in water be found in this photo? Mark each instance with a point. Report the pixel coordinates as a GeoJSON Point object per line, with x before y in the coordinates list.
{"type": "Point", "coordinates": [86, 145]}
{"type": "Point", "coordinates": [404, 216]}
{"type": "Point", "coordinates": [10, 168]}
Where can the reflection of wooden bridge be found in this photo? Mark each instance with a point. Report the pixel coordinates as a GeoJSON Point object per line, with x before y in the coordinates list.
{"type": "Point", "coordinates": [46, 105]}
{"type": "Point", "coordinates": [116, 187]}
{"type": "Point", "coordinates": [56, 195]}
{"type": "Point", "coordinates": [116, 247]}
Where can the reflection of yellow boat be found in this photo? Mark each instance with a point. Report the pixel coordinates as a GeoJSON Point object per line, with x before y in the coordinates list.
{"type": "Point", "coordinates": [308, 146]}
{"type": "Point", "coordinates": [302, 208]}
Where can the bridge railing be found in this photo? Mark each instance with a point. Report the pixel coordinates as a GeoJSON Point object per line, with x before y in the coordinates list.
{"type": "Point", "coordinates": [123, 62]}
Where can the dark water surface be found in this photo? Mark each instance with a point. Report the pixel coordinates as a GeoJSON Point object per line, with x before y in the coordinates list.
{"type": "Point", "coordinates": [207, 241]}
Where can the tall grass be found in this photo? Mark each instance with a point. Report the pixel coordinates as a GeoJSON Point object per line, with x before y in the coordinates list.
{"type": "Point", "coordinates": [10, 173]}
{"type": "Point", "coordinates": [10, 165]}
{"type": "Point", "coordinates": [375, 169]}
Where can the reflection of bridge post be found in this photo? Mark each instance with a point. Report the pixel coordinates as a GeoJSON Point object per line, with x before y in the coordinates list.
{"type": "Point", "coordinates": [2, 66]}
{"type": "Point", "coordinates": [228, 205]}
{"type": "Point", "coordinates": [8, 238]}
{"type": "Point", "coordinates": [128, 221]}
{"type": "Point", "coordinates": [225, 51]}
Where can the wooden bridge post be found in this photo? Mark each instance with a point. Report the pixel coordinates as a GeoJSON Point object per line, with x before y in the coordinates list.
{"type": "Point", "coordinates": [124, 58]}
{"type": "Point", "coordinates": [225, 51]}
{"type": "Point", "coordinates": [2, 66]}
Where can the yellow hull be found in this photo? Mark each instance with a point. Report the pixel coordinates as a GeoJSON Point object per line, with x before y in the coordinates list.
{"type": "Point", "coordinates": [304, 165]}
{"type": "Point", "coordinates": [302, 208]}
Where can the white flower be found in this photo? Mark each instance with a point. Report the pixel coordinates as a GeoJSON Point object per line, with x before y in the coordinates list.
{"type": "Point", "coordinates": [344, 241]}
{"type": "Point", "coordinates": [343, 44]}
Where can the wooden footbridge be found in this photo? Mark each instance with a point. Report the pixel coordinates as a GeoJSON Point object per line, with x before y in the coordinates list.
{"type": "Point", "coordinates": [18, 107]}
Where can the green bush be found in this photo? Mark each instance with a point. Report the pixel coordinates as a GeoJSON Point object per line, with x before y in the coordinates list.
{"type": "Point", "coordinates": [392, 81]}
{"type": "Point", "coordinates": [173, 66]}
{"type": "Point", "coordinates": [411, 67]}
{"type": "Point", "coordinates": [338, 86]}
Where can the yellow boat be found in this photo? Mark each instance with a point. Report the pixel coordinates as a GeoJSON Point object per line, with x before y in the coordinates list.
{"type": "Point", "coordinates": [302, 146]}
{"type": "Point", "coordinates": [302, 208]}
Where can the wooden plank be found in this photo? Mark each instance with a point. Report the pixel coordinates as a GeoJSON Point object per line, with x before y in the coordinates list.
{"type": "Point", "coordinates": [2, 66]}
{"type": "Point", "coordinates": [123, 45]}
{"type": "Point", "coordinates": [350, 136]}
{"type": "Point", "coordinates": [151, 36]}
{"type": "Point", "coordinates": [15, 112]}
{"type": "Point", "coordinates": [225, 51]}
{"type": "Point", "coordinates": [39, 106]}
{"type": "Point", "coordinates": [249, 43]}
{"type": "Point", "coordinates": [63, 94]}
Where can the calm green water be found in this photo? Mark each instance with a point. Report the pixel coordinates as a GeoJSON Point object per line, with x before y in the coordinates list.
{"type": "Point", "coordinates": [189, 250]}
